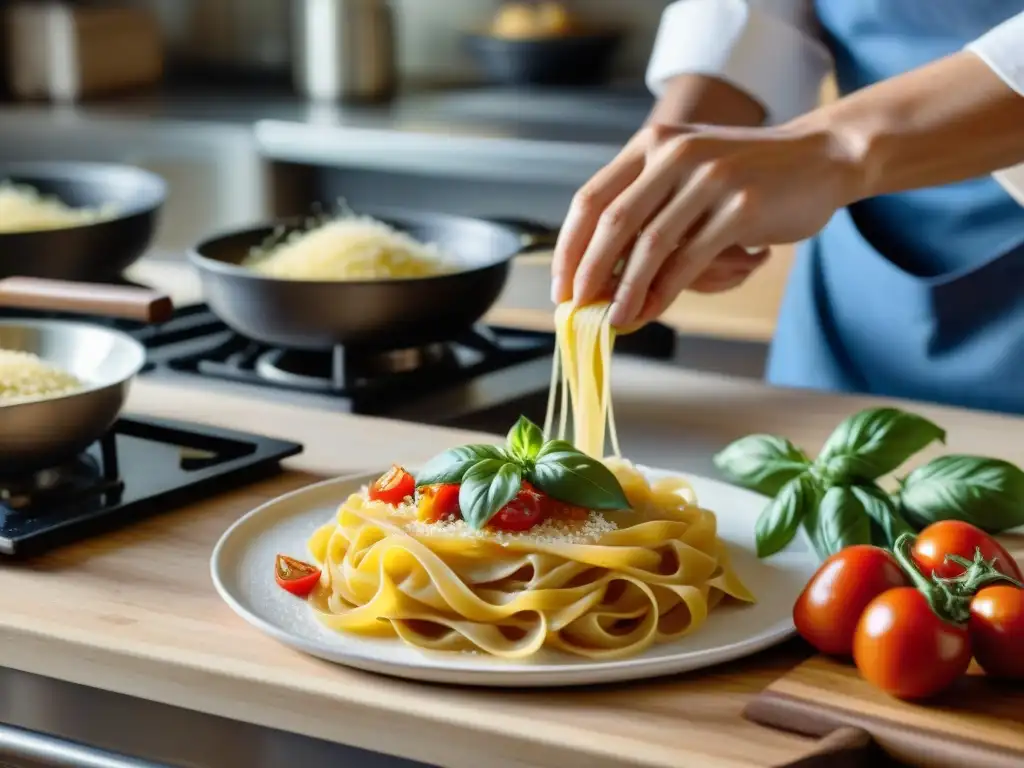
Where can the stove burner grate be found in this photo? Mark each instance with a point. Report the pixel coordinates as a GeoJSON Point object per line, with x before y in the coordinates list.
{"type": "Point", "coordinates": [81, 479]}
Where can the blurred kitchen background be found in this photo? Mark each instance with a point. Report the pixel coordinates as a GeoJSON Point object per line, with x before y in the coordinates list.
{"type": "Point", "coordinates": [256, 109]}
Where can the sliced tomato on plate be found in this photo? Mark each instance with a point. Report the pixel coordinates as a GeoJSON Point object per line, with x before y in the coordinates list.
{"type": "Point", "coordinates": [295, 576]}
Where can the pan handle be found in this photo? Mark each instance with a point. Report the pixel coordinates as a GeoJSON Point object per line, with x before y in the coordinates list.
{"type": "Point", "coordinates": [118, 301]}
{"type": "Point", "coordinates": [532, 235]}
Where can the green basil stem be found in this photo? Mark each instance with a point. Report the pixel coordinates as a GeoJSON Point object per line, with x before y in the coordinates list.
{"type": "Point", "coordinates": [949, 598]}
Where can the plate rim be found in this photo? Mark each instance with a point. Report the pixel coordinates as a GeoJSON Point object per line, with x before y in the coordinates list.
{"type": "Point", "coordinates": [547, 676]}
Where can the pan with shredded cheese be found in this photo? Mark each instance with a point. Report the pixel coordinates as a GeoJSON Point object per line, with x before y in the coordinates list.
{"type": "Point", "coordinates": [25, 377]}
{"type": "Point", "coordinates": [24, 209]}
{"type": "Point", "coordinates": [596, 583]}
{"type": "Point", "coordinates": [349, 248]}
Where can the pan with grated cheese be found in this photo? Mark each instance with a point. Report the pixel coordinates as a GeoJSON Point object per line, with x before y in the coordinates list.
{"type": "Point", "coordinates": [24, 377]}
{"type": "Point", "coordinates": [607, 586]}
{"type": "Point", "coordinates": [349, 248]}
{"type": "Point", "coordinates": [24, 209]}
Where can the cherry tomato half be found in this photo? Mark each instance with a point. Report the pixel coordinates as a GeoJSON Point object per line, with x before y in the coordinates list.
{"type": "Point", "coordinates": [522, 513]}
{"type": "Point", "coordinates": [826, 612]}
{"type": "Point", "coordinates": [903, 647]}
{"type": "Point", "coordinates": [997, 630]}
{"type": "Point", "coordinates": [295, 576]}
{"type": "Point", "coordinates": [393, 487]}
{"type": "Point", "coordinates": [955, 537]}
{"type": "Point", "coordinates": [438, 502]}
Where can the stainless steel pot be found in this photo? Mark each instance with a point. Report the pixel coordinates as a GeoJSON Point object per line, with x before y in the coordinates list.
{"type": "Point", "coordinates": [343, 50]}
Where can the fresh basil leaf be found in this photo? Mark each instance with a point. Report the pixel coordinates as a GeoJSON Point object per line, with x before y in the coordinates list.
{"type": "Point", "coordinates": [763, 463]}
{"type": "Point", "coordinates": [778, 523]}
{"type": "Point", "coordinates": [487, 487]}
{"type": "Point", "coordinates": [988, 493]}
{"type": "Point", "coordinates": [842, 520]}
{"type": "Point", "coordinates": [557, 446]}
{"type": "Point", "coordinates": [874, 442]}
{"type": "Point", "coordinates": [450, 466]}
{"type": "Point", "coordinates": [568, 475]}
{"type": "Point", "coordinates": [884, 516]}
{"type": "Point", "coordinates": [525, 440]}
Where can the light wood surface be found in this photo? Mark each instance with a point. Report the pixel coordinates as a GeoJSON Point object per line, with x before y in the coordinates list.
{"type": "Point", "coordinates": [977, 722]}
{"type": "Point", "coordinates": [135, 612]}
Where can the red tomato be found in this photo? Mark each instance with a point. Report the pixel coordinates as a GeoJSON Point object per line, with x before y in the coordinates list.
{"type": "Point", "coordinates": [393, 487]}
{"type": "Point", "coordinates": [903, 647]}
{"type": "Point", "coordinates": [438, 502]}
{"type": "Point", "coordinates": [997, 630]}
{"type": "Point", "coordinates": [520, 514]}
{"type": "Point", "coordinates": [955, 537]}
{"type": "Point", "coordinates": [827, 611]}
{"type": "Point", "coordinates": [295, 576]}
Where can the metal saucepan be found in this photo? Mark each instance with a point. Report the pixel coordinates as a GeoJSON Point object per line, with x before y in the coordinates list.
{"type": "Point", "coordinates": [97, 251]}
{"type": "Point", "coordinates": [43, 433]}
{"type": "Point", "coordinates": [370, 314]}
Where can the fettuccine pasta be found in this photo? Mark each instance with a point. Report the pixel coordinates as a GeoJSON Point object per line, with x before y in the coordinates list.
{"type": "Point", "coordinates": [598, 585]}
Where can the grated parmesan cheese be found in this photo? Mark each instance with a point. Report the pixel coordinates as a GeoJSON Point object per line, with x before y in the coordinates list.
{"type": "Point", "coordinates": [549, 532]}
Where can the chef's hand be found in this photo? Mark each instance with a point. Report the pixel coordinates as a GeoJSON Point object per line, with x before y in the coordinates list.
{"type": "Point", "coordinates": [694, 207]}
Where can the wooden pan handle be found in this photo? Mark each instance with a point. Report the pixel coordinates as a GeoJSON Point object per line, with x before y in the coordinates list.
{"type": "Point", "coordinates": [117, 301]}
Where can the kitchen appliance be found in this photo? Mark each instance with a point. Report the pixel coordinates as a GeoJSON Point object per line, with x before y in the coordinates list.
{"type": "Point", "coordinates": [64, 51]}
{"type": "Point", "coordinates": [365, 314]}
{"type": "Point", "coordinates": [484, 379]}
{"type": "Point", "coordinates": [579, 59]}
{"type": "Point", "coordinates": [97, 251]}
{"type": "Point", "coordinates": [344, 50]}
{"type": "Point", "coordinates": [140, 467]}
{"type": "Point", "coordinates": [41, 433]}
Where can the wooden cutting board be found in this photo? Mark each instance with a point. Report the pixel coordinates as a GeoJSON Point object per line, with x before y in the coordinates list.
{"type": "Point", "coordinates": [979, 722]}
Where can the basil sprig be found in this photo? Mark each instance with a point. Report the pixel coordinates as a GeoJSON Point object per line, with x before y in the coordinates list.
{"type": "Point", "coordinates": [837, 500]}
{"type": "Point", "coordinates": [490, 476]}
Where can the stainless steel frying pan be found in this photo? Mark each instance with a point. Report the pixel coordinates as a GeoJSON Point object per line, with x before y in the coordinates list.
{"type": "Point", "coordinates": [43, 433]}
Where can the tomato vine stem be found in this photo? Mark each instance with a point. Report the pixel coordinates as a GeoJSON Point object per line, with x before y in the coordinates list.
{"type": "Point", "coordinates": [949, 598]}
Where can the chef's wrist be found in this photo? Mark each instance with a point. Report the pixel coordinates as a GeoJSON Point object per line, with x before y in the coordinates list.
{"type": "Point", "coordinates": [701, 99]}
{"type": "Point", "coordinates": [850, 139]}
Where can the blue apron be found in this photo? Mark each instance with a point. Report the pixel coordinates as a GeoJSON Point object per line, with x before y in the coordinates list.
{"type": "Point", "coordinates": [918, 294]}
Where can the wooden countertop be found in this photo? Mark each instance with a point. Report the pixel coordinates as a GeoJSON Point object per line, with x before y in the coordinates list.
{"type": "Point", "coordinates": [135, 611]}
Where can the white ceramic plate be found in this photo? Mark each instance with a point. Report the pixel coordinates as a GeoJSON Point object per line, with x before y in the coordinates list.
{"type": "Point", "coordinates": [243, 573]}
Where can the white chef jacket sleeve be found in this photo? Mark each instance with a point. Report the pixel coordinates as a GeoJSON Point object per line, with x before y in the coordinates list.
{"type": "Point", "coordinates": [767, 48]}
{"type": "Point", "coordinates": [1002, 48]}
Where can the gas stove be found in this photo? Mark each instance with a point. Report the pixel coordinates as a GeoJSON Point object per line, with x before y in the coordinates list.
{"type": "Point", "coordinates": [483, 380]}
{"type": "Point", "coordinates": [140, 467]}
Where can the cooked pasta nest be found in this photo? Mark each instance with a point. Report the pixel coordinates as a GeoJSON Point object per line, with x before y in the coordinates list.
{"type": "Point", "coordinates": [606, 587]}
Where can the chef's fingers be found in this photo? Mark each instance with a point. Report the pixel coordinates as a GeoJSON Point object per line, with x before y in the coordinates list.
{"type": "Point", "coordinates": [662, 237]}
{"type": "Point", "coordinates": [725, 272]}
{"type": "Point", "coordinates": [628, 216]}
{"type": "Point", "coordinates": [587, 206]}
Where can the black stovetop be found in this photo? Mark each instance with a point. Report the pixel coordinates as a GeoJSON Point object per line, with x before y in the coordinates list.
{"type": "Point", "coordinates": [489, 375]}
{"type": "Point", "coordinates": [142, 466]}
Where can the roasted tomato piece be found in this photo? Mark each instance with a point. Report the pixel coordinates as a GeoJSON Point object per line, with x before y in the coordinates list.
{"type": "Point", "coordinates": [295, 576]}
{"type": "Point", "coordinates": [438, 502]}
{"type": "Point", "coordinates": [522, 513]}
{"type": "Point", "coordinates": [393, 486]}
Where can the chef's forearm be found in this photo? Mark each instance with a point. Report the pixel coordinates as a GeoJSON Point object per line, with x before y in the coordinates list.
{"type": "Point", "coordinates": [949, 121]}
{"type": "Point", "coordinates": [700, 99]}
